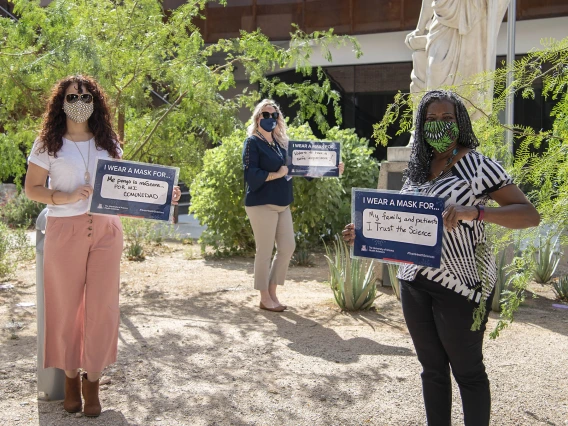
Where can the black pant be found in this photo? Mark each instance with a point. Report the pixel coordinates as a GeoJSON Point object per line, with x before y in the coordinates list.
{"type": "Point", "coordinates": [439, 321]}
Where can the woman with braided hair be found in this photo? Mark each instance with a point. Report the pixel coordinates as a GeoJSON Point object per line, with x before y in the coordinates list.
{"type": "Point", "coordinates": [439, 303]}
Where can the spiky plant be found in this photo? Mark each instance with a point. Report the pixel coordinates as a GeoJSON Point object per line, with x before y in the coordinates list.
{"type": "Point", "coordinates": [546, 258]}
{"type": "Point", "coordinates": [351, 280]}
{"type": "Point", "coordinates": [393, 270]}
{"type": "Point", "coordinates": [560, 287]}
{"type": "Point", "coordinates": [502, 283]}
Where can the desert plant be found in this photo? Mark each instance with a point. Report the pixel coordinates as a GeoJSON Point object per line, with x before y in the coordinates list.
{"type": "Point", "coordinates": [302, 256]}
{"type": "Point", "coordinates": [20, 211]}
{"type": "Point", "coordinates": [393, 270]}
{"type": "Point", "coordinates": [503, 280]}
{"type": "Point", "coordinates": [546, 258]}
{"type": "Point", "coordinates": [351, 280]}
{"type": "Point", "coordinates": [135, 251]}
{"type": "Point", "coordinates": [138, 234]}
{"type": "Point", "coordinates": [560, 287]}
{"type": "Point", "coordinates": [14, 247]}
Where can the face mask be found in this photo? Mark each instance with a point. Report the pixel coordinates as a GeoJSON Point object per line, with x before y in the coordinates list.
{"type": "Point", "coordinates": [268, 124]}
{"type": "Point", "coordinates": [79, 111]}
{"type": "Point", "coordinates": [440, 134]}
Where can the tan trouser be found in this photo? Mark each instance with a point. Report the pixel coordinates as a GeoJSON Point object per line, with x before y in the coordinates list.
{"type": "Point", "coordinates": [271, 224]}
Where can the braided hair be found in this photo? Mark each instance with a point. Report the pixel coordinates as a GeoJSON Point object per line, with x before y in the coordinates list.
{"type": "Point", "coordinates": [421, 155]}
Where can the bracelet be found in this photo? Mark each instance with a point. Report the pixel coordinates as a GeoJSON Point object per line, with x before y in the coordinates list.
{"type": "Point", "coordinates": [52, 200]}
{"type": "Point", "coordinates": [480, 212]}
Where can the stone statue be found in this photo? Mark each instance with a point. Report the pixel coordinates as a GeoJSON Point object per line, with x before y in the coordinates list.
{"type": "Point", "coordinates": [454, 39]}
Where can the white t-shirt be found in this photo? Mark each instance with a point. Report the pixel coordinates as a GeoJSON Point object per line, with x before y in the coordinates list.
{"type": "Point", "coordinates": [67, 171]}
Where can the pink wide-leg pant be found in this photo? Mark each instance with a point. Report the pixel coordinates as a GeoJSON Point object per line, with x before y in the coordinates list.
{"type": "Point", "coordinates": [81, 280]}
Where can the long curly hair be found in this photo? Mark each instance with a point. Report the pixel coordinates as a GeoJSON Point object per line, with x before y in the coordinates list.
{"type": "Point", "coordinates": [421, 155]}
{"type": "Point", "coordinates": [54, 123]}
{"type": "Point", "coordinates": [280, 132]}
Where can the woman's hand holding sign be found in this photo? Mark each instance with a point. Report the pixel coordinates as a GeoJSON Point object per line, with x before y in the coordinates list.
{"type": "Point", "coordinates": [176, 195]}
{"type": "Point", "coordinates": [81, 193]}
{"type": "Point", "coordinates": [454, 213]}
{"type": "Point", "coordinates": [349, 234]}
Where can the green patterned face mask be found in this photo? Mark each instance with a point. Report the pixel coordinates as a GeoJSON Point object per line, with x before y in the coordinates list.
{"type": "Point", "coordinates": [440, 134]}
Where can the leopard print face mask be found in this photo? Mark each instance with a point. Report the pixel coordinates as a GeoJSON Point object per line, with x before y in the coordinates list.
{"type": "Point", "coordinates": [79, 111]}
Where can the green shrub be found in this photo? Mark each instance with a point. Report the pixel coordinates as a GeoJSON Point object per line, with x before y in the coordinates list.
{"type": "Point", "coordinates": [560, 287]}
{"type": "Point", "coordinates": [20, 211]}
{"type": "Point", "coordinates": [351, 280]}
{"type": "Point", "coordinates": [546, 258]}
{"type": "Point", "coordinates": [321, 207]}
{"type": "Point", "coordinates": [138, 234]}
{"type": "Point", "coordinates": [14, 247]}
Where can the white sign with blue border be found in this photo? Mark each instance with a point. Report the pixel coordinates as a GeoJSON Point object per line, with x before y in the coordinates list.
{"type": "Point", "coordinates": [397, 228]}
{"type": "Point", "coordinates": [130, 188]}
{"type": "Point", "coordinates": [313, 158]}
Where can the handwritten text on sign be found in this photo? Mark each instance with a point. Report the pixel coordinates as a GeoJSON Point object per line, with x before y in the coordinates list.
{"type": "Point", "coordinates": [403, 227]}
{"type": "Point", "coordinates": [314, 158]}
{"type": "Point", "coordinates": [128, 188]}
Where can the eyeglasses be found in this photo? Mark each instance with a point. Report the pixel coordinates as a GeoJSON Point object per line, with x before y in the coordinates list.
{"type": "Point", "coordinates": [73, 97]}
{"type": "Point", "coordinates": [266, 114]}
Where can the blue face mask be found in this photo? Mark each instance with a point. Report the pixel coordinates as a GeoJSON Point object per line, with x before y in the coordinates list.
{"type": "Point", "coordinates": [268, 124]}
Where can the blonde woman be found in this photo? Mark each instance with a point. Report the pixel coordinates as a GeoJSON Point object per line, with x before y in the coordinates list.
{"type": "Point", "coordinates": [267, 200]}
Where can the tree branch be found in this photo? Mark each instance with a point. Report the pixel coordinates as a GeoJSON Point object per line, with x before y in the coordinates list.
{"type": "Point", "coordinates": [172, 106]}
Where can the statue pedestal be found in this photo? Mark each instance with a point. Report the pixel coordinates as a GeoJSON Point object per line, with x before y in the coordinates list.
{"type": "Point", "coordinates": [390, 177]}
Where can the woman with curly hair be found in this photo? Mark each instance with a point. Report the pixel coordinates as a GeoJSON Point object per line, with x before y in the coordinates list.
{"type": "Point", "coordinates": [82, 251]}
{"type": "Point", "coordinates": [439, 303]}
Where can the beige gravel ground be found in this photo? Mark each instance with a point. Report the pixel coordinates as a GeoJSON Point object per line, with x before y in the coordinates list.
{"type": "Point", "coordinates": [194, 349]}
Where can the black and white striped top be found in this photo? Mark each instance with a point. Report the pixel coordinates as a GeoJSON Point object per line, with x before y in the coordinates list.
{"type": "Point", "coordinates": [469, 182]}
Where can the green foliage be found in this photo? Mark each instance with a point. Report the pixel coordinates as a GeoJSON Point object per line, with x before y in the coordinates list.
{"type": "Point", "coordinates": [14, 248]}
{"type": "Point", "coordinates": [502, 283]}
{"type": "Point", "coordinates": [393, 270]}
{"type": "Point", "coordinates": [302, 256]}
{"type": "Point", "coordinates": [137, 51]}
{"type": "Point", "coordinates": [351, 280]}
{"type": "Point", "coordinates": [560, 287]}
{"type": "Point", "coordinates": [546, 258]}
{"type": "Point", "coordinates": [217, 198]}
{"type": "Point", "coordinates": [321, 207]}
{"type": "Point", "coordinates": [20, 211]}
{"type": "Point", "coordinates": [139, 234]}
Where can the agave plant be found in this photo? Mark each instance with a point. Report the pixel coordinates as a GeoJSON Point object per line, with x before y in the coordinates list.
{"type": "Point", "coordinates": [351, 280]}
{"type": "Point", "coordinates": [561, 288]}
{"type": "Point", "coordinates": [503, 281]}
{"type": "Point", "coordinates": [393, 270]}
{"type": "Point", "coordinates": [546, 259]}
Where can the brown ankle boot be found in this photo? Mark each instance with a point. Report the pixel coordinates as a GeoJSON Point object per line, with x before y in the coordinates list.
{"type": "Point", "coordinates": [72, 402]}
{"type": "Point", "coordinates": [91, 397]}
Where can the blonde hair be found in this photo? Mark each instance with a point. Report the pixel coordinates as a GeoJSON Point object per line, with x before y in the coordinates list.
{"type": "Point", "coordinates": [279, 131]}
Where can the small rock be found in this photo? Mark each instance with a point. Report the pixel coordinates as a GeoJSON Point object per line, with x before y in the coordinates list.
{"type": "Point", "coordinates": [158, 419]}
{"type": "Point", "coordinates": [78, 414]}
{"type": "Point", "coordinates": [24, 403]}
{"type": "Point", "coordinates": [105, 381]}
